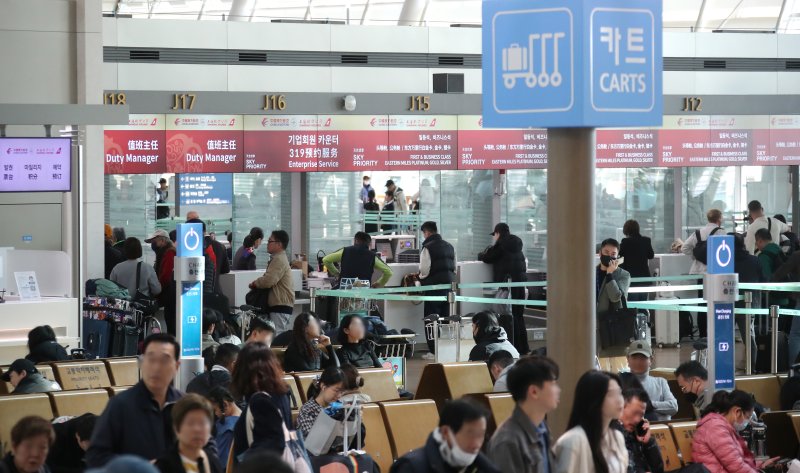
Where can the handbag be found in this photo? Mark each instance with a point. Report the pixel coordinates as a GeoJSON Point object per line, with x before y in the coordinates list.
{"type": "Point", "coordinates": [500, 307]}
{"type": "Point", "coordinates": [617, 327]}
{"type": "Point", "coordinates": [294, 453]}
{"type": "Point", "coordinates": [257, 297]}
{"type": "Point", "coordinates": [147, 305]}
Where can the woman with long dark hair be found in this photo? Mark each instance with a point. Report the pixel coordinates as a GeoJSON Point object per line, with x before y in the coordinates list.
{"type": "Point", "coordinates": [257, 378]}
{"type": "Point", "coordinates": [717, 443]}
{"type": "Point", "coordinates": [637, 251]}
{"type": "Point", "coordinates": [310, 349]}
{"type": "Point", "coordinates": [590, 445]}
{"type": "Point", "coordinates": [355, 350]}
{"type": "Point", "coordinates": [322, 392]}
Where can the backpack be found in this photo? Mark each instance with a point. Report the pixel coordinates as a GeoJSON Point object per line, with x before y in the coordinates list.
{"type": "Point", "coordinates": [791, 244]}
{"type": "Point", "coordinates": [778, 261]}
{"type": "Point", "coordinates": [700, 251]}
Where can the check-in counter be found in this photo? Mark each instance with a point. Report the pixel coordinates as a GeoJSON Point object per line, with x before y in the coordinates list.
{"type": "Point", "coordinates": [236, 284]}
{"type": "Point", "coordinates": [17, 318]}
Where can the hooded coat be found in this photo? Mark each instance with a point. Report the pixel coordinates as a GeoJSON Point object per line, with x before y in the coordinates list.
{"type": "Point", "coordinates": [489, 339]}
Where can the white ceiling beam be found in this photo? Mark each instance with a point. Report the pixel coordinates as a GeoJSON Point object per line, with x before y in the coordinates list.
{"type": "Point", "coordinates": [411, 13]}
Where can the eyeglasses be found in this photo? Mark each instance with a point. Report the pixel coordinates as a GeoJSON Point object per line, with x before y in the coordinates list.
{"type": "Point", "coordinates": [272, 241]}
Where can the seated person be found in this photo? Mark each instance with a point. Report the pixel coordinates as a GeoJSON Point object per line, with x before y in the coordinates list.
{"type": "Point", "coordinates": [717, 443]}
{"type": "Point", "coordinates": [500, 363]}
{"type": "Point", "coordinates": [227, 412]}
{"type": "Point", "coordinates": [322, 392]}
{"type": "Point", "coordinates": [489, 337]}
{"type": "Point", "coordinates": [643, 453]}
{"type": "Point", "coordinates": [31, 439]}
{"type": "Point", "coordinates": [43, 347]}
{"type": "Point", "coordinates": [72, 440]}
{"type": "Point", "coordinates": [640, 357]}
{"type": "Point", "coordinates": [355, 350]}
{"type": "Point", "coordinates": [260, 330]}
{"type": "Point", "coordinates": [192, 418]}
{"type": "Point", "coordinates": [453, 446]}
{"type": "Point", "coordinates": [309, 350]}
{"type": "Point", "coordinates": [629, 381]}
{"type": "Point", "coordinates": [209, 326]}
{"type": "Point", "coordinates": [220, 373]}
{"type": "Point", "coordinates": [26, 379]}
{"type": "Point", "coordinates": [125, 273]}
{"type": "Point", "coordinates": [353, 382]}
{"type": "Point", "coordinates": [227, 334]}
{"type": "Point", "coordinates": [790, 392]}
{"type": "Point", "coordinates": [692, 378]}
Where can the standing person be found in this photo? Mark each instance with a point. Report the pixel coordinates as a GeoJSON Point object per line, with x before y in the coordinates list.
{"type": "Point", "coordinates": [132, 270]}
{"type": "Point", "coordinates": [713, 227]}
{"type": "Point", "coordinates": [455, 446]}
{"type": "Point", "coordinates": [390, 211]}
{"type": "Point", "coordinates": [258, 379]}
{"type": "Point", "coordinates": [219, 257]}
{"type": "Point", "coordinates": [135, 421]}
{"type": "Point", "coordinates": [590, 445]}
{"type": "Point", "coordinates": [437, 265]}
{"type": "Point", "coordinates": [692, 378]}
{"type": "Point", "coordinates": [162, 194]}
{"type": "Point", "coordinates": [748, 267]}
{"type": "Point", "coordinates": [644, 455]}
{"type": "Point", "coordinates": [310, 349]}
{"type": "Point", "coordinates": [366, 188]}
{"type": "Point", "coordinates": [522, 443]}
{"type": "Point", "coordinates": [164, 266]}
{"type": "Point", "coordinates": [31, 439]}
{"type": "Point", "coordinates": [640, 359]}
{"type": "Point", "coordinates": [278, 279]}
{"type": "Point", "coordinates": [508, 262]}
{"type": "Point", "coordinates": [399, 197]}
{"type": "Point", "coordinates": [192, 419]}
{"type": "Point", "coordinates": [791, 270]}
{"type": "Point", "coordinates": [771, 258]}
{"type": "Point", "coordinates": [245, 257]}
{"type": "Point", "coordinates": [637, 251]}
{"type": "Point", "coordinates": [43, 346]}
{"type": "Point", "coordinates": [357, 261]}
{"type": "Point", "coordinates": [26, 379]}
{"type": "Point", "coordinates": [371, 207]}
{"type": "Point", "coordinates": [717, 442]}
{"type": "Point", "coordinates": [113, 256]}
{"type": "Point", "coordinates": [776, 228]}
{"type": "Point", "coordinates": [612, 282]}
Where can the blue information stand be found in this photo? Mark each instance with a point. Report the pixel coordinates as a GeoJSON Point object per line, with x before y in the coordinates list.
{"type": "Point", "coordinates": [721, 289]}
{"type": "Point", "coordinates": [189, 275]}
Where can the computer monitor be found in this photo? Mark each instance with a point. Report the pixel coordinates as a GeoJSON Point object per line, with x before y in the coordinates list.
{"type": "Point", "coordinates": [384, 248]}
{"type": "Point", "coordinates": [403, 244]}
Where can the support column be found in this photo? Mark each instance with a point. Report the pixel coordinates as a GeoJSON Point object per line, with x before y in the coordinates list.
{"type": "Point", "coordinates": [571, 297]}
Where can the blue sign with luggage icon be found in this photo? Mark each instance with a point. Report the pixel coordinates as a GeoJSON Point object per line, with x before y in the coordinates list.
{"type": "Point", "coordinates": [572, 63]}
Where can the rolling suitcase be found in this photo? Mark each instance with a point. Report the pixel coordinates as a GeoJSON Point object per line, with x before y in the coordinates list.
{"type": "Point", "coordinates": [667, 323]}
{"type": "Point", "coordinates": [96, 338]}
{"type": "Point", "coordinates": [125, 341]}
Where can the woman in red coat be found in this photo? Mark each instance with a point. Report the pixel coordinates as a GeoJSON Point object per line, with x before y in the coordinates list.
{"type": "Point", "coordinates": [717, 443]}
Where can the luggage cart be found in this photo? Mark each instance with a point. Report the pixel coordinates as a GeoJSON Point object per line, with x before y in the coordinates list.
{"type": "Point", "coordinates": [392, 351]}
{"type": "Point", "coordinates": [448, 335]}
{"type": "Point", "coordinates": [349, 305]}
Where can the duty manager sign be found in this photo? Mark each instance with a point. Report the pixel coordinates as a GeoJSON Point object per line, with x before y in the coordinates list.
{"type": "Point", "coordinates": [572, 63]}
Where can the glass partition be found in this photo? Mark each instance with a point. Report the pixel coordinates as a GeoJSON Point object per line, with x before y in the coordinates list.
{"type": "Point", "coordinates": [260, 200]}
{"type": "Point", "coordinates": [707, 188]}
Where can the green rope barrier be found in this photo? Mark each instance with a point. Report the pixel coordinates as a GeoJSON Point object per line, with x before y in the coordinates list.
{"type": "Point", "coordinates": [492, 300]}
{"type": "Point", "coordinates": [497, 285]}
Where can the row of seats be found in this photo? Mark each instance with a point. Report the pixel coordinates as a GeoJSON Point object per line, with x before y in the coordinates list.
{"type": "Point", "coordinates": [87, 374]}
{"type": "Point", "coordinates": [379, 384]}
{"type": "Point", "coordinates": [51, 405]}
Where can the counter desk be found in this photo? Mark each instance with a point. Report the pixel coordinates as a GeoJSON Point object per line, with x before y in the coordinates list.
{"type": "Point", "coordinates": [17, 318]}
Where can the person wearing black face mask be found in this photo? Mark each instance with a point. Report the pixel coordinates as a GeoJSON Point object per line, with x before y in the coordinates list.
{"type": "Point", "coordinates": [612, 282]}
{"type": "Point", "coordinates": [692, 378]}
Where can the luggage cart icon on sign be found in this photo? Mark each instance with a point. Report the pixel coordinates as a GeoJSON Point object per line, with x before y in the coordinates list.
{"type": "Point", "coordinates": [519, 62]}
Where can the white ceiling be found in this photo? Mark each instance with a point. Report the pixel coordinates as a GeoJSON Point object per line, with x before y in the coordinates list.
{"type": "Point", "coordinates": [782, 16]}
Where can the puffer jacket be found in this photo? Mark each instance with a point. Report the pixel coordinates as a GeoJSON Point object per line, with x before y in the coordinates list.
{"type": "Point", "coordinates": [36, 383]}
{"type": "Point", "coordinates": [719, 448]}
{"type": "Point", "coordinates": [359, 355]}
{"type": "Point", "coordinates": [507, 259]}
{"type": "Point", "coordinates": [491, 340]}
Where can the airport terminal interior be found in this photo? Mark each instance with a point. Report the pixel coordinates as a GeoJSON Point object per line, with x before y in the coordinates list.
{"type": "Point", "coordinates": [300, 126]}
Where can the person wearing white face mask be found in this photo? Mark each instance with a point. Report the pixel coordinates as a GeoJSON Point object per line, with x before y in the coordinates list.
{"type": "Point", "coordinates": [454, 447]}
{"type": "Point", "coordinates": [717, 443]}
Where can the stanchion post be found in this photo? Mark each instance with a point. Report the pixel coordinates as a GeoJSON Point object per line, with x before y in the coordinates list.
{"type": "Point", "coordinates": [312, 294]}
{"type": "Point", "coordinates": [746, 338]}
{"type": "Point", "coordinates": [451, 297]}
{"type": "Point", "coordinates": [435, 335]}
{"type": "Point", "coordinates": [773, 315]}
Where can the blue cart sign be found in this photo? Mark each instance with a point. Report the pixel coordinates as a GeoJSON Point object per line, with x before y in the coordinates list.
{"type": "Point", "coordinates": [577, 63]}
{"type": "Point", "coordinates": [719, 254]}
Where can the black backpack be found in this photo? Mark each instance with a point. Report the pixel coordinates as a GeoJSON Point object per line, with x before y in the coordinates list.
{"type": "Point", "coordinates": [700, 251]}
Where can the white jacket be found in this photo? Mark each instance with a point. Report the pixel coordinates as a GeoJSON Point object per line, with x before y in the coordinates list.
{"type": "Point", "coordinates": [574, 455]}
{"type": "Point", "coordinates": [778, 228]}
{"type": "Point", "coordinates": [689, 244]}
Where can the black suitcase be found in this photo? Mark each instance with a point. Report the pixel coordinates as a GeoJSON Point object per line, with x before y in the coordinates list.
{"type": "Point", "coordinates": [125, 340]}
{"type": "Point", "coordinates": [96, 338]}
{"type": "Point", "coordinates": [764, 353]}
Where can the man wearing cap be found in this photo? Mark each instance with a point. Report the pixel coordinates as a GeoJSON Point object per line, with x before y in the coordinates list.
{"type": "Point", "coordinates": [640, 357]}
{"type": "Point", "coordinates": [775, 227]}
{"type": "Point", "coordinates": [399, 197]}
{"type": "Point", "coordinates": [164, 266]}
{"type": "Point", "coordinates": [508, 261]}
{"type": "Point", "coordinates": [26, 379]}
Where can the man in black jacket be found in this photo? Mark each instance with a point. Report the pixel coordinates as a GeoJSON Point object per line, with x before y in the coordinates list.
{"type": "Point", "coordinates": [749, 270]}
{"type": "Point", "coordinates": [138, 421]}
{"type": "Point", "coordinates": [72, 440]}
{"type": "Point", "coordinates": [455, 446]}
{"type": "Point", "coordinates": [357, 261]}
{"type": "Point", "coordinates": [219, 374]}
{"type": "Point", "coordinates": [437, 265]}
{"type": "Point", "coordinates": [509, 263]}
{"type": "Point", "coordinates": [643, 452]}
